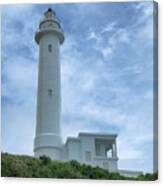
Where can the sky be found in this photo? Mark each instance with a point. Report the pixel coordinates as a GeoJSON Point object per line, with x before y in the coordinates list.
{"type": "Point", "coordinates": [106, 76]}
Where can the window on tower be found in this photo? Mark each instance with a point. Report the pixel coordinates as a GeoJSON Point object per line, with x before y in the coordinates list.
{"type": "Point", "coordinates": [50, 92]}
{"type": "Point", "coordinates": [50, 48]}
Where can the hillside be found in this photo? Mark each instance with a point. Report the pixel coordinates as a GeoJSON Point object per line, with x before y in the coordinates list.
{"type": "Point", "coordinates": [43, 167]}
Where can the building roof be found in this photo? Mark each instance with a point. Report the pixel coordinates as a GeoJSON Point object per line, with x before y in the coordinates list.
{"type": "Point", "coordinates": [72, 139]}
{"type": "Point", "coordinates": [97, 134]}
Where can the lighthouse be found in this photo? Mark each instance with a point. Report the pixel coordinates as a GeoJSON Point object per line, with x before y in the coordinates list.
{"type": "Point", "coordinates": [49, 37]}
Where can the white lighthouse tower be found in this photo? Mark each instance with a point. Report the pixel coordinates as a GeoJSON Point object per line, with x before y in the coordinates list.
{"type": "Point", "coordinates": [49, 37]}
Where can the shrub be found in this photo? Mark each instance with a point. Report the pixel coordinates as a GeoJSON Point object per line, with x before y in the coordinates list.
{"type": "Point", "coordinates": [44, 167]}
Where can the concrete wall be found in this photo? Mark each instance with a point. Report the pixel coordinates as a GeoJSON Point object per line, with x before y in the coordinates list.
{"type": "Point", "coordinates": [87, 149]}
{"type": "Point", "coordinates": [109, 164]}
{"type": "Point", "coordinates": [129, 173]}
{"type": "Point", "coordinates": [73, 148]}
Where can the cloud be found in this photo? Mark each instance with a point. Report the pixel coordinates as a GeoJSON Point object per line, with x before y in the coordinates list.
{"type": "Point", "coordinates": [108, 38]}
{"type": "Point", "coordinates": [110, 27]}
{"type": "Point", "coordinates": [145, 21]}
{"type": "Point", "coordinates": [19, 80]}
{"type": "Point", "coordinates": [92, 35]}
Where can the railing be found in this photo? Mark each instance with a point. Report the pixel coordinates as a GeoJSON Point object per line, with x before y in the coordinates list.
{"type": "Point", "coordinates": [47, 29]}
{"type": "Point", "coordinates": [105, 157]}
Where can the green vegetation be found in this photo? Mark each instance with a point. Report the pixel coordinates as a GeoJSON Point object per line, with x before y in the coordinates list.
{"type": "Point", "coordinates": [44, 167]}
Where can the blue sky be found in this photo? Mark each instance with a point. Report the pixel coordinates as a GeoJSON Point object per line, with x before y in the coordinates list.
{"type": "Point", "coordinates": [106, 76]}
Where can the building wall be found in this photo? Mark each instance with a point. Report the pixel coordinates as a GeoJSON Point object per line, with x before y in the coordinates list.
{"type": "Point", "coordinates": [73, 150]}
{"type": "Point", "coordinates": [87, 149]}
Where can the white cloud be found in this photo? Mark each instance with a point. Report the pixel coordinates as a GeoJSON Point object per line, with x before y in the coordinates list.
{"type": "Point", "coordinates": [108, 28]}
{"type": "Point", "coordinates": [18, 126]}
{"type": "Point", "coordinates": [92, 35]}
{"type": "Point", "coordinates": [118, 36]}
{"type": "Point", "coordinates": [145, 21]}
{"type": "Point", "coordinates": [146, 9]}
{"type": "Point", "coordinates": [19, 79]}
{"type": "Point", "coordinates": [121, 35]}
{"type": "Point", "coordinates": [19, 71]}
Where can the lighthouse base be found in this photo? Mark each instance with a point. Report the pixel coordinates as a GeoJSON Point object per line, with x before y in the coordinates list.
{"type": "Point", "coordinates": [51, 152]}
{"type": "Point", "coordinates": [48, 145]}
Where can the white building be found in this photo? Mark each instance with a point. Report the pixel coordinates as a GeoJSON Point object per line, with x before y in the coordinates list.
{"type": "Point", "coordinates": [94, 149]}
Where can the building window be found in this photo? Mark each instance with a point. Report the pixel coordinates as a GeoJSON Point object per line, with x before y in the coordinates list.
{"type": "Point", "coordinates": [50, 92]}
{"type": "Point", "coordinates": [88, 156]}
{"type": "Point", "coordinates": [50, 48]}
